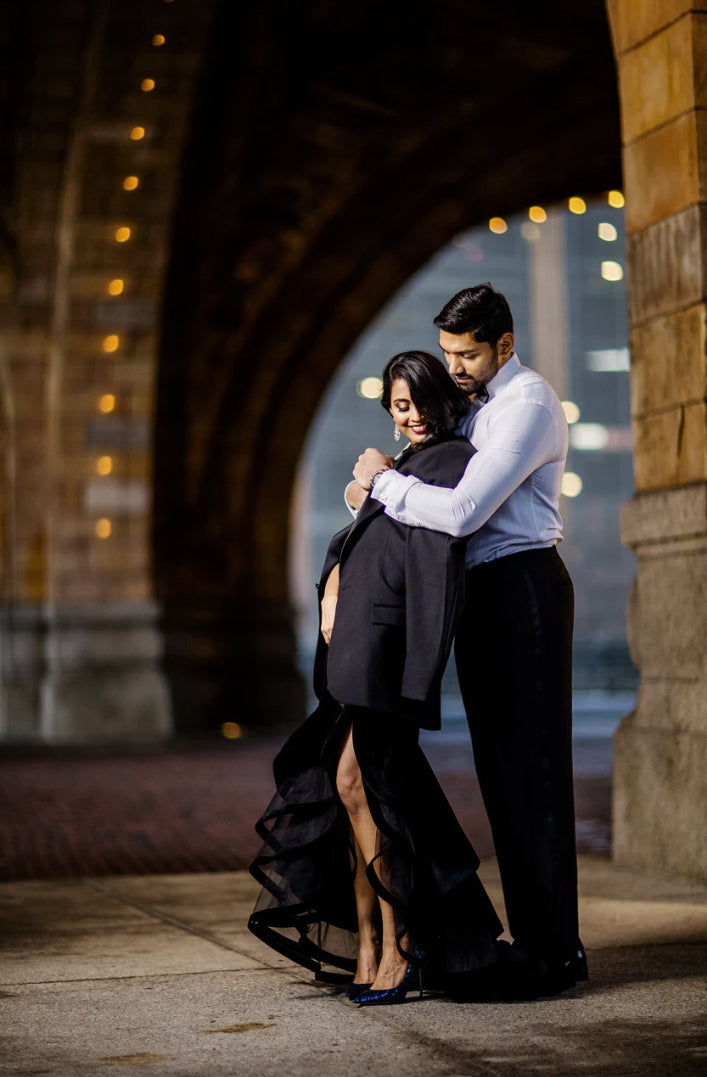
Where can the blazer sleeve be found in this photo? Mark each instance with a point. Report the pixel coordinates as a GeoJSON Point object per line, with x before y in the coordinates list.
{"type": "Point", "coordinates": [434, 597]}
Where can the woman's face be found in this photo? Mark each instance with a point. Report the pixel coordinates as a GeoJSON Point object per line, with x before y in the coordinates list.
{"type": "Point", "coordinates": [406, 416]}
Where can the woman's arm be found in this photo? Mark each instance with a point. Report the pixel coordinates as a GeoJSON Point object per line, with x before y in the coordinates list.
{"type": "Point", "coordinates": [354, 496]}
{"type": "Point", "coordinates": [328, 604]}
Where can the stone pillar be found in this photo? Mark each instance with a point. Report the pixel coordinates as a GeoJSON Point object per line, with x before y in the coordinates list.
{"type": "Point", "coordinates": [660, 759]}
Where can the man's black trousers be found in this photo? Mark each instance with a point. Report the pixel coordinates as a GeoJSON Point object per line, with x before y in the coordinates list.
{"type": "Point", "coordinates": [514, 660]}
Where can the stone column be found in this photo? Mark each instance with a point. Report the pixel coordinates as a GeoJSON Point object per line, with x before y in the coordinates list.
{"type": "Point", "coordinates": [660, 759]}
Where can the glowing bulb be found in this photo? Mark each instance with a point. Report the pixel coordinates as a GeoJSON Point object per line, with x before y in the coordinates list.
{"type": "Point", "coordinates": [615, 199]}
{"type": "Point", "coordinates": [115, 287]}
{"type": "Point", "coordinates": [370, 388]}
{"type": "Point", "coordinates": [571, 484]}
{"type": "Point", "coordinates": [136, 133]}
{"type": "Point", "coordinates": [571, 411]}
{"type": "Point", "coordinates": [111, 343]}
{"type": "Point", "coordinates": [103, 528]}
{"type": "Point", "coordinates": [607, 232]}
{"type": "Point", "coordinates": [147, 85]}
{"type": "Point", "coordinates": [577, 205]}
{"type": "Point", "coordinates": [104, 465]}
{"type": "Point", "coordinates": [106, 403]}
{"type": "Point", "coordinates": [130, 183]}
{"type": "Point", "coordinates": [612, 271]}
{"type": "Point", "coordinates": [232, 730]}
{"type": "Point", "coordinates": [498, 225]}
{"type": "Point", "coordinates": [158, 39]}
{"type": "Point", "coordinates": [122, 235]}
{"type": "Point", "coordinates": [537, 214]}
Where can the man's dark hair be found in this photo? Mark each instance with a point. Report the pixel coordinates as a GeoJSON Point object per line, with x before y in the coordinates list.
{"type": "Point", "coordinates": [478, 310]}
{"type": "Point", "coordinates": [432, 390]}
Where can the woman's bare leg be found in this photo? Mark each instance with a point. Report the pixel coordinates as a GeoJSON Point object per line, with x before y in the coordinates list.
{"type": "Point", "coordinates": [368, 913]}
{"type": "Point", "coordinates": [349, 784]}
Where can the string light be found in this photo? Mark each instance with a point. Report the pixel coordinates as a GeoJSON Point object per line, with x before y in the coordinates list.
{"type": "Point", "coordinates": [537, 214]}
{"type": "Point", "coordinates": [103, 528]}
{"type": "Point", "coordinates": [231, 730]}
{"type": "Point", "coordinates": [111, 343]}
{"type": "Point", "coordinates": [122, 234]}
{"type": "Point", "coordinates": [615, 199]}
{"type": "Point", "coordinates": [571, 484]}
{"type": "Point", "coordinates": [158, 39]}
{"type": "Point", "coordinates": [136, 133]}
{"type": "Point", "coordinates": [607, 232]}
{"type": "Point", "coordinates": [104, 465]}
{"type": "Point", "coordinates": [147, 85]}
{"type": "Point", "coordinates": [131, 183]}
{"type": "Point", "coordinates": [106, 403]}
{"type": "Point", "coordinates": [498, 225]}
{"type": "Point", "coordinates": [116, 287]}
{"type": "Point", "coordinates": [612, 271]}
{"type": "Point", "coordinates": [370, 388]}
{"type": "Point", "coordinates": [577, 205]}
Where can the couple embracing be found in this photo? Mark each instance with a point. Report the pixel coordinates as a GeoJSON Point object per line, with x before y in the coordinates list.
{"type": "Point", "coordinates": [367, 877]}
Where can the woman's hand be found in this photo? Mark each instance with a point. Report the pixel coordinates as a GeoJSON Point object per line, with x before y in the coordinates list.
{"type": "Point", "coordinates": [328, 615]}
{"type": "Point", "coordinates": [328, 604]}
{"type": "Point", "coordinates": [355, 495]}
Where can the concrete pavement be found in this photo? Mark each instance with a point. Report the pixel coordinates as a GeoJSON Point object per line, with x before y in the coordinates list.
{"type": "Point", "coordinates": [159, 974]}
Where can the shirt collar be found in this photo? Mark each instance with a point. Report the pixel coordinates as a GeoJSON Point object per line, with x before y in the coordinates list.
{"type": "Point", "coordinates": [509, 369]}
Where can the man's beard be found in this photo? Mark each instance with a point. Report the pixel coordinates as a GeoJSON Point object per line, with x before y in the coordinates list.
{"type": "Point", "coordinates": [470, 385]}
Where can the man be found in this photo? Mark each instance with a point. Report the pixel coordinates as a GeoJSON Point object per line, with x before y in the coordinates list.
{"type": "Point", "coordinates": [513, 646]}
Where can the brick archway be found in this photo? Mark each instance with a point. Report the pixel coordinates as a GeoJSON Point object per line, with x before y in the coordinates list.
{"type": "Point", "coordinates": [317, 179]}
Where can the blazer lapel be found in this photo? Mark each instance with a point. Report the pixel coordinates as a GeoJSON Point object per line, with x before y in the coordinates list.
{"type": "Point", "coordinates": [366, 513]}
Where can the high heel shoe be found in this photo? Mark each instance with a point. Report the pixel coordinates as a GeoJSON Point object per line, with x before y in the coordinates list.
{"type": "Point", "coordinates": [354, 991]}
{"type": "Point", "coordinates": [393, 996]}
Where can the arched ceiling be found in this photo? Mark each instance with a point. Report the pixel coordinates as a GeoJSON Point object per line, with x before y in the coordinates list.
{"type": "Point", "coordinates": [333, 150]}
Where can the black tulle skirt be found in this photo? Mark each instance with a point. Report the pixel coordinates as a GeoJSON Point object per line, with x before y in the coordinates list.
{"type": "Point", "coordinates": [425, 866]}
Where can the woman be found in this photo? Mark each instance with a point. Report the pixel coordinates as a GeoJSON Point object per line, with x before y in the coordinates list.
{"type": "Point", "coordinates": [365, 867]}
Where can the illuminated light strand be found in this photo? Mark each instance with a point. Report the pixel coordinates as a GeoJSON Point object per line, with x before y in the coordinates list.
{"type": "Point", "coordinates": [107, 401]}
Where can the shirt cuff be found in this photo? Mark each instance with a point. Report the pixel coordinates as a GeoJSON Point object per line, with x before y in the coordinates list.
{"type": "Point", "coordinates": [391, 490]}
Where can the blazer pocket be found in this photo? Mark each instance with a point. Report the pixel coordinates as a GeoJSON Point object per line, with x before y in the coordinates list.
{"type": "Point", "coordinates": [387, 615]}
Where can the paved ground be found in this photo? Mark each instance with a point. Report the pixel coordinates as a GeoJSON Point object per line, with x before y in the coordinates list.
{"type": "Point", "coordinates": [158, 973]}
{"type": "Point", "coordinates": [191, 807]}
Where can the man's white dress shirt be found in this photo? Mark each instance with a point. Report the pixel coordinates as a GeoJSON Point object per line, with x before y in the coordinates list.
{"type": "Point", "coordinates": [508, 498]}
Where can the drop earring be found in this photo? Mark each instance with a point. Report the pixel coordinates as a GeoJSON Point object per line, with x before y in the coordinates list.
{"type": "Point", "coordinates": [396, 435]}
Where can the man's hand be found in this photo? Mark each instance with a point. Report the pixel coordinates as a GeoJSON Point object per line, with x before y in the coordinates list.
{"type": "Point", "coordinates": [369, 462]}
{"type": "Point", "coordinates": [355, 496]}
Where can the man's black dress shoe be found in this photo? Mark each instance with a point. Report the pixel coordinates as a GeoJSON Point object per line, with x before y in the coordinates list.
{"type": "Point", "coordinates": [519, 977]}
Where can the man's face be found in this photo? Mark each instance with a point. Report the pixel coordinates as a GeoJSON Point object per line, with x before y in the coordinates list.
{"type": "Point", "coordinates": [471, 363]}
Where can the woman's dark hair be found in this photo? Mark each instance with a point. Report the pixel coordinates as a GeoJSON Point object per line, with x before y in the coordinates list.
{"type": "Point", "coordinates": [478, 310]}
{"type": "Point", "coordinates": [432, 390]}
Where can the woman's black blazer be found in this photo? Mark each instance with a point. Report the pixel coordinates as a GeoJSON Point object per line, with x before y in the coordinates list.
{"type": "Point", "coordinates": [400, 597]}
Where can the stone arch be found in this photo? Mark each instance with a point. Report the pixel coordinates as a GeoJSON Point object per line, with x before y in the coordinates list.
{"type": "Point", "coordinates": [315, 183]}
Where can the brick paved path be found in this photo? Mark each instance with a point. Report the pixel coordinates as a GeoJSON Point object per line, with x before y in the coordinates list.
{"type": "Point", "coordinates": [187, 807]}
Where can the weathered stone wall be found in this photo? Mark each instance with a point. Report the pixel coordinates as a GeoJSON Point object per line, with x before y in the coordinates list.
{"type": "Point", "coordinates": [660, 762]}
{"type": "Point", "coordinates": [87, 198]}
